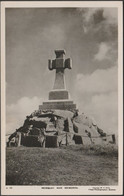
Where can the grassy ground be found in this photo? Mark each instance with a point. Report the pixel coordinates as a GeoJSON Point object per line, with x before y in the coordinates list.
{"type": "Point", "coordinates": [72, 165]}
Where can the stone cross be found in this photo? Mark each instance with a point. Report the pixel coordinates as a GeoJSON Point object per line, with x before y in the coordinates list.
{"type": "Point", "coordinates": [60, 64]}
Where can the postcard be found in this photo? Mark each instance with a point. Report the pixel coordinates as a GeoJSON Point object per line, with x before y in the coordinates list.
{"type": "Point", "coordinates": [61, 98]}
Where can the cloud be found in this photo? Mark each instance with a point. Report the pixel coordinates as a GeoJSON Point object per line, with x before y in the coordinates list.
{"type": "Point", "coordinates": [97, 19]}
{"type": "Point", "coordinates": [102, 52]}
{"type": "Point", "coordinates": [16, 113]}
{"type": "Point", "coordinates": [101, 80]}
{"type": "Point", "coordinates": [89, 13]}
{"type": "Point", "coordinates": [100, 27]}
{"type": "Point", "coordinates": [106, 51]}
{"type": "Point", "coordinates": [97, 96]}
{"type": "Point", "coordinates": [111, 16]}
{"type": "Point", "coordinates": [104, 109]}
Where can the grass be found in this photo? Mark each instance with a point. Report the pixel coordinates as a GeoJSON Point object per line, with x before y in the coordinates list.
{"type": "Point", "coordinates": [110, 150]}
{"type": "Point", "coordinates": [71, 165]}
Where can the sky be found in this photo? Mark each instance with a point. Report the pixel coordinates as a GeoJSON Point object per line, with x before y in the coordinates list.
{"type": "Point", "coordinates": [90, 38]}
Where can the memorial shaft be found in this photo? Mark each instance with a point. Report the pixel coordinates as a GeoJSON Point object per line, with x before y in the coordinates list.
{"type": "Point", "coordinates": [59, 79]}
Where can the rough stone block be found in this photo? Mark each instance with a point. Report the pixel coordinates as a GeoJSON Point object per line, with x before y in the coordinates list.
{"type": "Point", "coordinates": [55, 95]}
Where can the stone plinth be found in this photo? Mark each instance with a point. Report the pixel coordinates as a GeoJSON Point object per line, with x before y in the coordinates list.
{"type": "Point", "coordinates": [58, 94]}
{"type": "Point", "coordinates": [60, 105]}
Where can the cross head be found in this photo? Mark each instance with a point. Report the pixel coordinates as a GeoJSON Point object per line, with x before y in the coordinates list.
{"type": "Point", "coordinates": [60, 63]}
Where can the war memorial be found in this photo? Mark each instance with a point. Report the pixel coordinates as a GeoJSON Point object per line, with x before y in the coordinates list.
{"type": "Point", "coordinates": [57, 121]}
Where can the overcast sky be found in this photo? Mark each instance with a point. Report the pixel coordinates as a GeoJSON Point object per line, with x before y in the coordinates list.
{"type": "Point", "coordinates": [89, 36]}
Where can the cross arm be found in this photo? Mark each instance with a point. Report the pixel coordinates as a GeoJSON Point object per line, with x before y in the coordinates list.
{"type": "Point", "coordinates": [68, 63]}
{"type": "Point", "coordinates": [51, 64]}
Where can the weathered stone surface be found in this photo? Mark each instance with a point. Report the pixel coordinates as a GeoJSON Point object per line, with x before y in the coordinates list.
{"type": "Point", "coordinates": [59, 79]}
{"type": "Point", "coordinates": [55, 95]}
{"type": "Point", "coordinates": [60, 105]}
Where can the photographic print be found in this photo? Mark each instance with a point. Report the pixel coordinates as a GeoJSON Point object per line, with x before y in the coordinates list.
{"type": "Point", "coordinates": [61, 98]}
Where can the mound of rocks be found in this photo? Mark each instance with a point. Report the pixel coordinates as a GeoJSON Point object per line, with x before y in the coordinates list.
{"type": "Point", "coordinates": [52, 128]}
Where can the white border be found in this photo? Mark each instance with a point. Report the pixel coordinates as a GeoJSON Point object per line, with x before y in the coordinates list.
{"type": "Point", "coordinates": [82, 190]}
